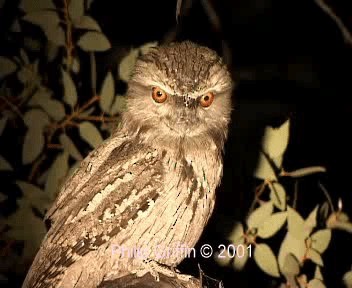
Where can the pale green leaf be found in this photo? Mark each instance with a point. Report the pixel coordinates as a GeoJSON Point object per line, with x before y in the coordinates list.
{"type": "Point", "coordinates": [306, 171]}
{"type": "Point", "coordinates": [321, 240]}
{"type": "Point", "coordinates": [70, 92]}
{"type": "Point", "coordinates": [56, 175]}
{"type": "Point", "coordinates": [24, 75]}
{"type": "Point", "coordinates": [290, 244]}
{"type": "Point", "coordinates": [55, 34]}
{"type": "Point", "coordinates": [54, 108]}
{"type": "Point", "coordinates": [295, 224]}
{"type": "Point", "coordinates": [264, 170]}
{"type": "Point", "coordinates": [302, 281]}
{"type": "Point", "coordinates": [7, 66]}
{"type": "Point", "coordinates": [317, 273]}
{"type": "Point", "coordinates": [272, 225]}
{"type": "Point", "coordinates": [266, 260]}
{"type": "Point", "coordinates": [35, 5]}
{"type": "Point", "coordinates": [339, 220]}
{"type": "Point", "coordinates": [314, 256]}
{"type": "Point", "coordinates": [107, 93]}
{"type": "Point", "coordinates": [16, 59]}
{"type": "Point", "coordinates": [87, 22]}
{"type": "Point", "coordinates": [291, 266]}
{"type": "Point", "coordinates": [76, 9]}
{"type": "Point", "coordinates": [223, 260]}
{"type": "Point", "coordinates": [311, 220]}
{"type": "Point", "coordinates": [236, 233]}
{"type": "Point", "coordinates": [259, 215]}
{"type": "Point", "coordinates": [40, 95]}
{"type": "Point", "coordinates": [240, 262]}
{"type": "Point", "coordinates": [33, 145]}
{"type": "Point", "coordinates": [75, 66]}
{"type": "Point", "coordinates": [5, 165]}
{"type": "Point", "coordinates": [24, 57]}
{"type": "Point", "coordinates": [51, 51]}
{"type": "Point", "coordinates": [43, 18]}
{"type": "Point", "coordinates": [147, 47]}
{"type": "Point", "coordinates": [127, 65]}
{"type": "Point", "coordinates": [278, 195]}
{"type": "Point", "coordinates": [315, 283]}
{"type": "Point", "coordinates": [90, 134]}
{"type": "Point", "coordinates": [347, 279]}
{"type": "Point", "coordinates": [3, 122]}
{"type": "Point", "coordinates": [70, 147]}
{"type": "Point", "coordinates": [94, 41]}
{"type": "Point", "coordinates": [119, 105]}
{"type": "Point", "coordinates": [275, 140]}
{"type": "Point", "coordinates": [36, 119]}
{"type": "Point", "coordinates": [342, 216]}
{"type": "Point", "coordinates": [24, 225]}
{"type": "Point", "coordinates": [36, 196]}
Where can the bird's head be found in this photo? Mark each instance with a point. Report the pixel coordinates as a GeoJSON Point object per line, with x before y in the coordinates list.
{"type": "Point", "coordinates": [180, 90]}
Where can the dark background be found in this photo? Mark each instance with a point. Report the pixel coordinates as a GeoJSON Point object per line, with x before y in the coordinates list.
{"type": "Point", "coordinates": [289, 59]}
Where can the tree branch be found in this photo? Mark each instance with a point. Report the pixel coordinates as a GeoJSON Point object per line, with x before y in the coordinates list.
{"type": "Point", "coordinates": [345, 33]}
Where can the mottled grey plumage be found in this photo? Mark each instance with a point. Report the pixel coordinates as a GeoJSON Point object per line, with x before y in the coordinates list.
{"type": "Point", "coordinates": [151, 183]}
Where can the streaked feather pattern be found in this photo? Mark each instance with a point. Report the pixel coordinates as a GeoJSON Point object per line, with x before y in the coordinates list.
{"type": "Point", "coordinates": [151, 184]}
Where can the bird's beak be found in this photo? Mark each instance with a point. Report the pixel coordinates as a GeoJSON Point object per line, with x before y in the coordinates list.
{"type": "Point", "coordinates": [186, 110]}
{"type": "Point", "coordinates": [189, 102]}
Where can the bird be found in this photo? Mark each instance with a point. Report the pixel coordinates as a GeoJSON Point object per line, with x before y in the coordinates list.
{"type": "Point", "coordinates": [149, 187]}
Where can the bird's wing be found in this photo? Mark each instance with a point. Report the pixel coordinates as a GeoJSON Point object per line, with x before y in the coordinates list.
{"type": "Point", "coordinates": [92, 165]}
{"type": "Point", "coordinates": [112, 185]}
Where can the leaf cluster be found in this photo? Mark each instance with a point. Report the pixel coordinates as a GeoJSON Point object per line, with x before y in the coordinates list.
{"type": "Point", "coordinates": [305, 240]}
{"type": "Point", "coordinates": [58, 127]}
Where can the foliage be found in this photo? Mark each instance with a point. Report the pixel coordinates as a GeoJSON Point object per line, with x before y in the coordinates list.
{"type": "Point", "coordinates": [58, 127]}
{"type": "Point", "coordinates": [58, 124]}
{"type": "Point", "coordinates": [274, 210]}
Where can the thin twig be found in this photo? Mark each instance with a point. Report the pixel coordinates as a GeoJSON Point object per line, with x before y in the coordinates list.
{"type": "Point", "coordinates": [93, 71]}
{"type": "Point", "coordinates": [327, 196]}
{"type": "Point", "coordinates": [216, 23]}
{"type": "Point", "coordinates": [345, 33]}
{"type": "Point", "coordinates": [295, 195]}
{"type": "Point", "coordinates": [97, 118]}
{"type": "Point", "coordinates": [178, 9]}
{"type": "Point", "coordinates": [35, 167]}
{"type": "Point", "coordinates": [69, 45]}
{"type": "Point", "coordinates": [68, 121]}
{"type": "Point", "coordinates": [258, 192]}
{"type": "Point", "coordinates": [212, 15]}
{"type": "Point", "coordinates": [75, 114]}
{"type": "Point", "coordinates": [12, 106]}
{"type": "Point", "coordinates": [54, 146]}
{"type": "Point", "coordinates": [5, 251]}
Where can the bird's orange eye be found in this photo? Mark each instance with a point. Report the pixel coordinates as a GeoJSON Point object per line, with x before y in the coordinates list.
{"type": "Point", "coordinates": [159, 95]}
{"type": "Point", "coordinates": [207, 99]}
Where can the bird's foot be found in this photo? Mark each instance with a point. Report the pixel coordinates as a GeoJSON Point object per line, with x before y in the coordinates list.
{"type": "Point", "coordinates": [155, 268]}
